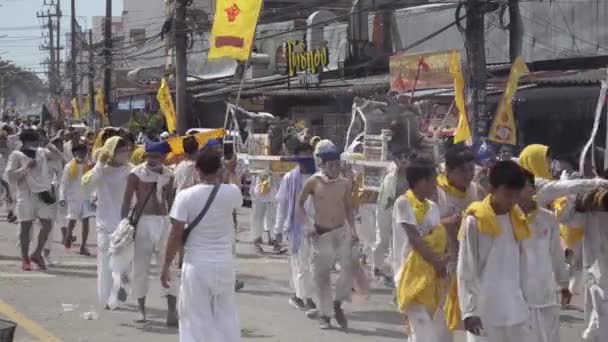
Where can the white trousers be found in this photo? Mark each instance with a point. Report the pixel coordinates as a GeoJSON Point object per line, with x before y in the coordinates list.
{"type": "Point", "coordinates": [150, 240]}
{"type": "Point", "coordinates": [426, 328]}
{"type": "Point", "coordinates": [384, 238]}
{"type": "Point", "coordinates": [336, 245]}
{"type": "Point", "coordinates": [545, 323]}
{"type": "Point", "coordinates": [263, 218]}
{"type": "Point", "coordinates": [207, 304]}
{"type": "Point", "coordinates": [106, 278]}
{"type": "Point", "coordinates": [515, 333]}
{"type": "Point", "coordinates": [300, 269]}
{"type": "Point", "coordinates": [597, 329]}
{"type": "Point", "coordinates": [367, 228]}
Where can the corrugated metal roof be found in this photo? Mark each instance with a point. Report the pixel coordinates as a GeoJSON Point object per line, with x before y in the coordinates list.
{"type": "Point", "coordinates": [566, 77]}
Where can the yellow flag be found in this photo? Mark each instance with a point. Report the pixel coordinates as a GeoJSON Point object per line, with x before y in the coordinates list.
{"type": "Point", "coordinates": [504, 130]}
{"type": "Point", "coordinates": [100, 105]}
{"type": "Point", "coordinates": [86, 108]}
{"type": "Point", "coordinates": [166, 105]}
{"type": "Point", "coordinates": [75, 109]}
{"type": "Point", "coordinates": [233, 28]}
{"type": "Point", "coordinates": [463, 132]}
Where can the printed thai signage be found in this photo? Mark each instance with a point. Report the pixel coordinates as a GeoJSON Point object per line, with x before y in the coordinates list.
{"type": "Point", "coordinates": [426, 70]}
{"type": "Point", "coordinates": [300, 59]}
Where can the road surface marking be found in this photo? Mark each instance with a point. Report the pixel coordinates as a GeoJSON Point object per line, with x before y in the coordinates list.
{"type": "Point", "coordinates": [31, 327]}
{"type": "Point", "coordinates": [28, 275]}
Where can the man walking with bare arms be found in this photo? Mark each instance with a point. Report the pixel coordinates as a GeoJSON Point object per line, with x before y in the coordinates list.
{"type": "Point", "coordinates": [330, 240]}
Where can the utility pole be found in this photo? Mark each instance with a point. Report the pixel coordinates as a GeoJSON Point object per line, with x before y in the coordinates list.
{"type": "Point", "coordinates": [51, 48]}
{"type": "Point", "coordinates": [516, 30]}
{"type": "Point", "coordinates": [476, 66]}
{"type": "Point", "coordinates": [74, 51]}
{"type": "Point", "coordinates": [58, 45]}
{"type": "Point", "coordinates": [181, 67]}
{"type": "Point", "coordinates": [91, 73]}
{"type": "Point", "coordinates": [107, 79]}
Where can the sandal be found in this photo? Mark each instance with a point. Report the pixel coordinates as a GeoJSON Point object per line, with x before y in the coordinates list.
{"type": "Point", "coordinates": [85, 252]}
{"type": "Point", "coordinates": [26, 265]}
{"type": "Point", "coordinates": [39, 262]}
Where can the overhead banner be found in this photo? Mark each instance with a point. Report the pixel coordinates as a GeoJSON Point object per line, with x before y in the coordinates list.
{"type": "Point", "coordinates": [166, 105]}
{"type": "Point", "coordinates": [427, 70]}
{"type": "Point", "coordinates": [463, 131]}
{"type": "Point", "coordinates": [233, 28]}
{"type": "Point", "coordinates": [504, 130]}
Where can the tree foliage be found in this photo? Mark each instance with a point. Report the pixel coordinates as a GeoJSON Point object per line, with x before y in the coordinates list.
{"type": "Point", "coordinates": [19, 79]}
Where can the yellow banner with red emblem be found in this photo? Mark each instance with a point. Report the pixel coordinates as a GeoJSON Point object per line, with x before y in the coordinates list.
{"type": "Point", "coordinates": [504, 130]}
{"type": "Point", "coordinates": [234, 28]}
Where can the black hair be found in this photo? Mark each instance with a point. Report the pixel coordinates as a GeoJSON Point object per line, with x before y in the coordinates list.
{"type": "Point", "coordinates": [79, 148]}
{"type": "Point", "coordinates": [209, 161]}
{"type": "Point", "coordinates": [509, 174]}
{"type": "Point", "coordinates": [107, 134]}
{"type": "Point", "coordinates": [128, 136]}
{"type": "Point", "coordinates": [529, 176]}
{"type": "Point", "coordinates": [303, 147]}
{"type": "Point", "coordinates": [420, 169]}
{"type": "Point", "coordinates": [29, 135]}
{"type": "Point", "coordinates": [190, 144]}
{"type": "Point", "coordinates": [458, 155]}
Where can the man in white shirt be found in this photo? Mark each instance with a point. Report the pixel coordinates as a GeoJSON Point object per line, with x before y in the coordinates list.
{"type": "Point", "coordinates": [28, 171]}
{"type": "Point", "coordinates": [208, 309]}
{"type": "Point", "coordinates": [489, 271]}
{"type": "Point", "coordinates": [186, 174]}
{"type": "Point", "coordinates": [108, 179]}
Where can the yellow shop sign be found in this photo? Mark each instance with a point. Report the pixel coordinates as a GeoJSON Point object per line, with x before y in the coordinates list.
{"type": "Point", "coordinates": [299, 58]}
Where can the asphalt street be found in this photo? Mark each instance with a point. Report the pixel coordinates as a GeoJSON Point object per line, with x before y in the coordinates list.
{"type": "Point", "coordinates": [49, 306]}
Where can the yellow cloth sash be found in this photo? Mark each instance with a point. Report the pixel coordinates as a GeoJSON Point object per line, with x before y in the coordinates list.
{"type": "Point", "coordinates": [73, 167]}
{"type": "Point", "coordinates": [487, 223]}
{"type": "Point", "coordinates": [570, 235]}
{"type": "Point", "coordinates": [420, 208]}
{"type": "Point", "coordinates": [419, 283]}
{"type": "Point", "coordinates": [138, 155]}
{"type": "Point", "coordinates": [264, 185]}
{"type": "Point", "coordinates": [534, 159]}
{"type": "Point", "coordinates": [442, 182]}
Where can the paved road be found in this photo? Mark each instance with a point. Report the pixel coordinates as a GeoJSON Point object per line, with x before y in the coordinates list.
{"type": "Point", "coordinates": [35, 300]}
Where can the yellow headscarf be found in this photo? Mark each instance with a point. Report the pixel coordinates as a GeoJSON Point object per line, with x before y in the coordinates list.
{"type": "Point", "coordinates": [442, 182]}
{"type": "Point", "coordinates": [138, 155]}
{"type": "Point", "coordinates": [534, 159]}
{"type": "Point", "coordinates": [107, 151]}
{"type": "Point", "coordinates": [419, 283]}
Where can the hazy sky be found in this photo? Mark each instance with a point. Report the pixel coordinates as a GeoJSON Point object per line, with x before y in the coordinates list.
{"type": "Point", "coordinates": [21, 26]}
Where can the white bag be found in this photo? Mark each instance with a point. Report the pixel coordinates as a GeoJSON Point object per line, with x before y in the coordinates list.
{"type": "Point", "coordinates": [122, 237]}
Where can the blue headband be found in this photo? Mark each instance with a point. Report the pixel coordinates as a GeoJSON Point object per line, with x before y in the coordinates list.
{"type": "Point", "coordinates": [212, 143]}
{"type": "Point", "coordinates": [158, 147]}
{"type": "Point", "coordinates": [329, 156]}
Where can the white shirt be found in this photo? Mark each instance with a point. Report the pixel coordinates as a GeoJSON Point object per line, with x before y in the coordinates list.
{"type": "Point", "coordinates": [72, 190]}
{"type": "Point", "coordinates": [404, 213]}
{"type": "Point", "coordinates": [28, 181]}
{"type": "Point", "coordinates": [545, 264]}
{"type": "Point", "coordinates": [212, 238]}
{"type": "Point", "coordinates": [109, 183]}
{"type": "Point", "coordinates": [186, 175]}
{"type": "Point", "coordinates": [450, 205]}
{"type": "Point", "coordinates": [489, 275]}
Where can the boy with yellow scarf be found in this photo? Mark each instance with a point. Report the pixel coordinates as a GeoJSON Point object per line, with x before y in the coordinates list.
{"type": "Point", "coordinates": [421, 247]}
{"type": "Point", "coordinates": [544, 267]}
{"type": "Point", "coordinates": [489, 271]}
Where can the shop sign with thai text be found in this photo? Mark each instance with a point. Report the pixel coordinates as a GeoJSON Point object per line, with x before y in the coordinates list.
{"type": "Point", "coordinates": [301, 59]}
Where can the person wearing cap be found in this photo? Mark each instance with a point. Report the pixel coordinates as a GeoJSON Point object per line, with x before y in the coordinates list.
{"type": "Point", "coordinates": [165, 135]}
{"type": "Point", "coordinates": [330, 237]}
{"type": "Point", "coordinates": [152, 185]}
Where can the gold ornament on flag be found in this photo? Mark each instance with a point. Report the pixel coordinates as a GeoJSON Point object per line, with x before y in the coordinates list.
{"type": "Point", "coordinates": [166, 105]}
{"type": "Point", "coordinates": [233, 28]}
{"type": "Point", "coordinates": [75, 109]}
{"type": "Point", "coordinates": [463, 131]}
{"type": "Point", "coordinates": [504, 130]}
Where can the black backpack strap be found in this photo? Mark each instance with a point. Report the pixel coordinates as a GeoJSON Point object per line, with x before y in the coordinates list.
{"type": "Point", "coordinates": [202, 214]}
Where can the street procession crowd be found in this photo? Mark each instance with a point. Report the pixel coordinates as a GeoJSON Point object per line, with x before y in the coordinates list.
{"type": "Point", "coordinates": [486, 243]}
